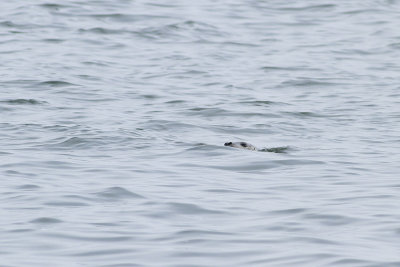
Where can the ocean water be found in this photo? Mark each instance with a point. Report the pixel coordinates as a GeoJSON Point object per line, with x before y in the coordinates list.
{"type": "Point", "coordinates": [114, 115]}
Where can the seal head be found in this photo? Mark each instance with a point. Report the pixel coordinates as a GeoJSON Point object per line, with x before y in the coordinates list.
{"type": "Point", "coordinates": [242, 145]}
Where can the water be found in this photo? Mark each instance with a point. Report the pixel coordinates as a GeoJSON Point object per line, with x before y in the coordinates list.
{"type": "Point", "coordinates": [113, 116]}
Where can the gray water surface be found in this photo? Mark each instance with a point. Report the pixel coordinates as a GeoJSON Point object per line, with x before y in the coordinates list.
{"type": "Point", "coordinates": [113, 116]}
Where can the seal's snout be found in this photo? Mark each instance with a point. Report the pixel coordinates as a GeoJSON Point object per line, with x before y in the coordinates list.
{"type": "Point", "coordinates": [228, 144]}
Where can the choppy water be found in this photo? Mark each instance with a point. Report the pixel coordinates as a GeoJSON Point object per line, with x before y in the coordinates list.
{"type": "Point", "coordinates": [113, 116]}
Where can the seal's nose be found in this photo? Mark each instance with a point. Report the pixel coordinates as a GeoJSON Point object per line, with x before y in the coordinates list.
{"type": "Point", "coordinates": [228, 144]}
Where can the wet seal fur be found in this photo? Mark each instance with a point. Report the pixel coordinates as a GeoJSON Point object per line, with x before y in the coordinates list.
{"type": "Point", "coordinates": [245, 145]}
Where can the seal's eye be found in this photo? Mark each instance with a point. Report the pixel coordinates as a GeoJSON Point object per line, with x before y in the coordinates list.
{"type": "Point", "coordinates": [228, 144]}
{"type": "Point", "coordinates": [243, 144]}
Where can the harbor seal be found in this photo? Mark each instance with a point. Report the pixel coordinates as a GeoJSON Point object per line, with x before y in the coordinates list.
{"type": "Point", "coordinates": [242, 145]}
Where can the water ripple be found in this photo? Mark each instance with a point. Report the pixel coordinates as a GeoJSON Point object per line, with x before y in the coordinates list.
{"type": "Point", "coordinates": [117, 193]}
{"type": "Point", "coordinates": [45, 220]}
{"type": "Point", "coordinates": [21, 101]}
{"type": "Point", "coordinates": [55, 83]}
{"type": "Point", "coordinates": [186, 208]}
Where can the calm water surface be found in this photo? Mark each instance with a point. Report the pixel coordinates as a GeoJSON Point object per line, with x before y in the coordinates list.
{"type": "Point", "coordinates": [113, 116]}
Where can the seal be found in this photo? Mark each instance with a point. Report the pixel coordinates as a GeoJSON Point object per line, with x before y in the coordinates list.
{"type": "Point", "coordinates": [242, 145]}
